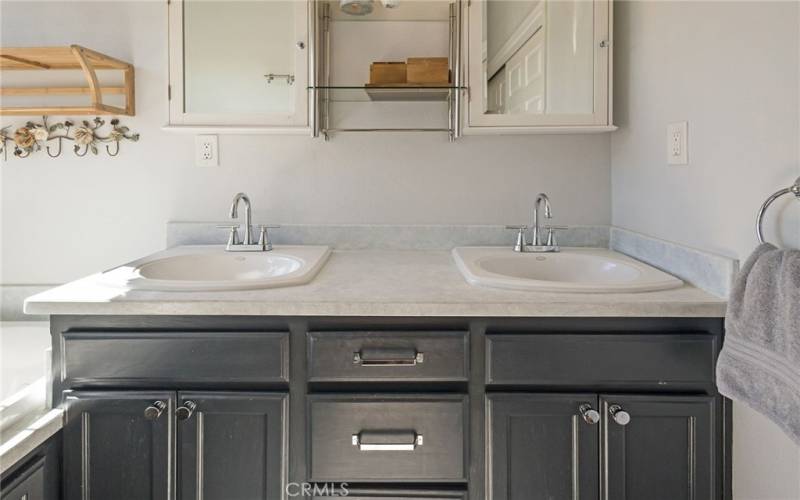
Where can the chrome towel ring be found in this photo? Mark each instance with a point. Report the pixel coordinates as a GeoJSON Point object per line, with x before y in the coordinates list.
{"type": "Point", "coordinates": [793, 189]}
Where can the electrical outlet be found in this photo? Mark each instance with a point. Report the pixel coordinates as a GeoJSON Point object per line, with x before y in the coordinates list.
{"type": "Point", "coordinates": [206, 151]}
{"type": "Point", "coordinates": [677, 143]}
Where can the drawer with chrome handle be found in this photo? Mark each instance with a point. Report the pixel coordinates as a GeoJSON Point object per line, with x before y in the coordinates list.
{"type": "Point", "coordinates": [387, 440]}
{"type": "Point", "coordinates": [388, 437]}
{"type": "Point", "coordinates": [397, 356]}
{"type": "Point", "coordinates": [388, 357]}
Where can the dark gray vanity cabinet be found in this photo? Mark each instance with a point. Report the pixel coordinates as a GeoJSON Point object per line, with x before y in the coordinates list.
{"type": "Point", "coordinates": [247, 407]}
{"type": "Point", "coordinates": [539, 447]}
{"type": "Point", "coordinates": [165, 445]}
{"type": "Point", "coordinates": [37, 476]}
{"type": "Point", "coordinates": [661, 448]}
{"type": "Point", "coordinates": [231, 446]}
{"type": "Point", "coordinates": [119, 444]}
{"type": "Point", "coordinates": [629, 447]}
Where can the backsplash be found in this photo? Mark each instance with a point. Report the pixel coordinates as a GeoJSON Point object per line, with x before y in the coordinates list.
{"type": "Point", "coordinates": [385, 237]}
{"type": "Point", "coordinates": [713, 273]}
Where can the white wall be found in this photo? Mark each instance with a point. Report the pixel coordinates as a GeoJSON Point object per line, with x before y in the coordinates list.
{"type": "Point", "coordinates": [67, 217]}
{"type": "Point", "coordinates": [731, 70]}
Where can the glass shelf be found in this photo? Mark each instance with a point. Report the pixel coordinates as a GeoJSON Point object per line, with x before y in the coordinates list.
{"type": "Point", "coordinates": [389, 93]}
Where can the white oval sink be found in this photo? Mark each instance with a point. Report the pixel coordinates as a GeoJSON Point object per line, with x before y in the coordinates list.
{"type": "Point", "coordinates": [571, 270]}
{"type": "Point", "coordinates": [202, 268]}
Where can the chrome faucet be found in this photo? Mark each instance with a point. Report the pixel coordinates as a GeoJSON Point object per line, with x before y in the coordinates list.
{"type": "Point", "coordinates": [234, 244]}
{"type": "Point", "coordinates": [537, 244]}
{"type": "Point", "coordinates": [548, 214]}
{"type": "Point", "coordinates": [248, 217]}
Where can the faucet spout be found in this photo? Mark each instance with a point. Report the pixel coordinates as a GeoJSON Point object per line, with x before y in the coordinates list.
{"type": "Point", "coordinates": [248, 221]}
{"type": "Point", "coordinates": [548, 214]}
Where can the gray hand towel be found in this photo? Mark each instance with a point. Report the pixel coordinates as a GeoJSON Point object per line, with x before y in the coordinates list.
{"type": "Point", "coordinates": [760, 360]}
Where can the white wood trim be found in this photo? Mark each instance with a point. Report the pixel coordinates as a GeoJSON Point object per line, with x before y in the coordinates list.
{"type": "Point", "coordinates": [236, 130]}
{"type": "Point", "coordinates": [544, 130]}
{"type": "Point", "coordinates": [475, 118]}
{"type": "Point", "coordinates": [299, 119]}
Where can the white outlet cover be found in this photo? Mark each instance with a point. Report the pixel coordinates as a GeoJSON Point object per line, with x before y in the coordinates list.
{"type": "Point", "coordinates": [206, 151]}
{"type": "Point", "coordinates": [678, 143]}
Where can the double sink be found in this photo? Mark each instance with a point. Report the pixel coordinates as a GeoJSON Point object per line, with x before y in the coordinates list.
{"type": "Point", "coordinates": [245, 264]}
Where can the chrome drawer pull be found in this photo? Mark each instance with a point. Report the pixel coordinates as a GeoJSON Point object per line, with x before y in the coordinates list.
{"type": "Point", "coordinates": [388, 357]}
{"type": "Point", "coordinates": [411, 444]}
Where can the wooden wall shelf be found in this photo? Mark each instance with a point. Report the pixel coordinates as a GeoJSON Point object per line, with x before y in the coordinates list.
{"type": "Point", "coordinates": [73, 57]}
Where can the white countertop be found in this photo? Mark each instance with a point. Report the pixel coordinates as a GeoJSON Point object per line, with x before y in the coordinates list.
{"type": "Point", "coordinates": [26, 419]}
{"type": "Point", "coordinates": [376, 283]}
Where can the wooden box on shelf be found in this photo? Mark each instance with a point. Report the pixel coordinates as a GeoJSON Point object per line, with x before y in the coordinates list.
{"type": "Point", "coordinates": [427, 70]}
{"type": "Point", "coordinates": [387, 72]}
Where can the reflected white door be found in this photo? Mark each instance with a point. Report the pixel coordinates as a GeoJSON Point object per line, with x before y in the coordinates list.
{"type": "Point", "coordinates": [525, 77]}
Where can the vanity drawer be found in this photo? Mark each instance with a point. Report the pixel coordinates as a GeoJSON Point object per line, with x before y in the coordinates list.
{"type": "Point", "coordinates": [376, 356]}
{"type": "Point", "coordinates": [387, 438]}
{"type": "Point", "coordinates": [174, 359]}
{"type": "Point", "coordinates": [662, 361]}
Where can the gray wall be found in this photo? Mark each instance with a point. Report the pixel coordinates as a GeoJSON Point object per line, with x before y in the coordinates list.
{"type": "Point", "coordinates": [94, 213]}
{"type": "Point", "coordinates": [731, 70]}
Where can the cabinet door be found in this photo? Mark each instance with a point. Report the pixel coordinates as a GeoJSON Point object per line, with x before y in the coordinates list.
{"type": "Point", "coordinates": [538, 66]}
{"type": "Point", "coordinates": [539, 447]}
{"type": "Point", "coordinates": [659, 447]}
{"type": "Point", "coordinates": [118, 445]}
{"type": "Point", "coordinates": [239, 65]}
{"type": "Point", "coordinates": [233, 446]}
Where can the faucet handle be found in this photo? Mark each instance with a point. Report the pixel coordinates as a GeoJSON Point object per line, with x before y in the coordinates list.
{"type": "Point", "coordinates": [233, 236]}
{"type": "Point", "coordinates": [519, 245]}
{"type": "Point", "coordinates": [263, 237]}
{"type": "Point", "coordinates": [551, 234]}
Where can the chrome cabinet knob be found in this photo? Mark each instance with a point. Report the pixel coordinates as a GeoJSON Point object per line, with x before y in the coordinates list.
{"type": "Point", "coordinates": [619, 415]}
{"type": "Point", "coordinates": [155, 410]}
{"type": "Point", "coordinates": [589, 414]}
{"type": "Point", "coordinates": [186, 411]}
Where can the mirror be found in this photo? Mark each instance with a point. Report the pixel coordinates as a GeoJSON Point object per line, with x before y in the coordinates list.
{"type": "Point", "coordinates": [239, 63]}
{"type": "Point", "coordinates": [538, 57]}
{"type": "Point", "coordinates": [230, 49]}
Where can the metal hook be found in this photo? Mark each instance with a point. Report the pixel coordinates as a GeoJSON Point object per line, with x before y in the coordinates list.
{"type": "Point", "coordinates": [85, 151]}
{"type": "Point", "coordinates": [51, 155]}
{"type": "Point", "coordinates": [116, 151]}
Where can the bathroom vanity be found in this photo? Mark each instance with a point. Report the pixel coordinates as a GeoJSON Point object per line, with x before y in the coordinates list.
{"type": "Point", "coordinates": [388, 376]}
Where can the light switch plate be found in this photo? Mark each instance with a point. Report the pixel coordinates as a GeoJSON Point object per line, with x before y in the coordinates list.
{"type": "Point", "coordinates": [206, 151]}
{"type": "Point", "coordinates": [678, 143]}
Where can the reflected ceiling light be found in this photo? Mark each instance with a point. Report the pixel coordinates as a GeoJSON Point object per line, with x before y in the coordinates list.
{"type": "Point", "coordinates": [356, 7]}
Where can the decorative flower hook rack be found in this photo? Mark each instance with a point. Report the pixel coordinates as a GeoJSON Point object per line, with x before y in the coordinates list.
{"type": "Point", "coordinates": [87, 136]}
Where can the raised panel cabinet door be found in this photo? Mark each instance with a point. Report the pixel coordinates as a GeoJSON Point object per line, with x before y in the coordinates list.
{"type": "Point", "coordinates": [659, 447]}
{"type": "Point", "coordinates": [542, 446]}
{"type": "Point", "coordinates": [232, 446]}
{"type": "Point", "coordinates": [119, 445]}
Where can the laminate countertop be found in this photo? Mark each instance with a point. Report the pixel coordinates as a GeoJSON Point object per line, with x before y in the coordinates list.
{"type": "Point", "coordinates": [376, 283]}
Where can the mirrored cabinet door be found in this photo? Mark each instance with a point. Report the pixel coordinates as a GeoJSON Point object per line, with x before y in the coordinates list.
{"type": "Point", "coordinates": [538, 64]}
{"type": "Point", "coordinates": [239, 63]}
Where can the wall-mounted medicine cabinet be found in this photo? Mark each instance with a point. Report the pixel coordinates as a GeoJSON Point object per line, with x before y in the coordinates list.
{"type": "Point", "coordinates": [239, 66]}
{"type": "Point", "coordinates": [303, 66]}
{"type": "Point", "coordinates": [538, 66]}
